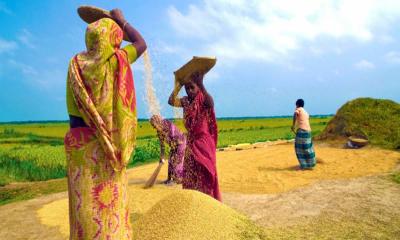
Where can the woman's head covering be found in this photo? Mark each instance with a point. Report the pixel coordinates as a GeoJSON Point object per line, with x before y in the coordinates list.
{"type": "Point", "coordinates": [102, 38]}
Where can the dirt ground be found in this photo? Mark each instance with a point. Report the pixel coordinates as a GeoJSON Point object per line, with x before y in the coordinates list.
{"type": "Point", "coordinates": [348, 196]}
{"type": "Point", "coordinates": [272, 169]}
{"type": "Point", "coordinates": [362, 208]}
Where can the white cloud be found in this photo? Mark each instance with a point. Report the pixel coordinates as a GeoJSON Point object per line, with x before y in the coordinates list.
{"type": "Point", "coordinates": [24, 68]}
{"type": "Point", "coordinates": [386, 39]}
{"type": "Point", "coordinates": [212, 76]}
{"type": "Point", "coordinates": [51, 80]}
{"type": "Point", "coordinates": [336, 72]}
{"type": "Point", "coordinates": [294, 68]}
{"type": "Point", "coordinates": [44, 79]}
{"type": "Point", "coordinates": [272, 90]}
{"type": "Point", "coordinates": [161, 47]}
{"type": "Point", "coordinates": [321, 79]}
{"type": "Point", "coordinates": [316, 51]}
{"type": "Point", "coordinates": [270, 30]}
{"type": "Point", "coordinates": [7, 46]}
{"type": "Point", "coordinates": [364, 65]}
{"type": "Point", "coordinates": [338, 51]}
{"type": "Point", "coordinates": [26, 38]}
{"type": "Point", "coordinates": [393, 57]}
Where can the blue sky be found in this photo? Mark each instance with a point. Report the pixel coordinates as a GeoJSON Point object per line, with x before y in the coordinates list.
{"type": "Point", "coordinates": [269, 52]}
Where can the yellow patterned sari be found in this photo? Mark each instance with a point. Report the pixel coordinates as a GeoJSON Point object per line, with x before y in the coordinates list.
{"type": "Point", "coordinates": [100, 83]}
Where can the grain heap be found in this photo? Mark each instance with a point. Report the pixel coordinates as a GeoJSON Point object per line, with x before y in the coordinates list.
{"type": "Point", "coordinates": [193, 215]}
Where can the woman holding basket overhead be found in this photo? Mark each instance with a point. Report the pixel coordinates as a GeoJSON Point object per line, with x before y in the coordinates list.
{"type": "Point", "coordinates": [199, 169]}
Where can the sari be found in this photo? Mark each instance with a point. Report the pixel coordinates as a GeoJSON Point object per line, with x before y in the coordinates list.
{"type": "Point", "coordinates": [101, 83]}
{"type": "Point", "coordinates": [200, 170]}
{"type": "Point", "coordinates": [177, 142]}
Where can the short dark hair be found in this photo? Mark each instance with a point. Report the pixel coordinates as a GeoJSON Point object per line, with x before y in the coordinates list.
{"type": "Point", "coordinates": [300, 102]}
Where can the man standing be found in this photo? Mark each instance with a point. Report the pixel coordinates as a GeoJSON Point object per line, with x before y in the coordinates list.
{"type": "Point", "coordinates": [303, 143]}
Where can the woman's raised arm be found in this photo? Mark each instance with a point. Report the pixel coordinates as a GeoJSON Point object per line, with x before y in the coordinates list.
{"type": "Point", "coordinates": [134, 36]}
{"type": "Point", "coordinates": [174, 100]}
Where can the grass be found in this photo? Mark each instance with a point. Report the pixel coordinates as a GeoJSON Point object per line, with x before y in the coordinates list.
{"type": "Point", "coordinates": [396, 177]}
{"type": "Point", "coordinates": [25, 162]}
{"type": "Point", "coordinates": [58, 130]}
{"type": "Point", "coordinates": [147, 150]}
{"type": "Point", "coordinates": [10, 133]}
{"type": "Point", "coordinates": [38, 162]}
{"type": "Point", "coordinates": [34, 152]}
{"type": "Point", "coordinates": [28, 190]}
{"type": "Point", "coordinates": [259, 135]}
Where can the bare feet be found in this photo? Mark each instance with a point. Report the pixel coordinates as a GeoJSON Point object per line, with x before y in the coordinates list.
{"type": "Point", "coordinates": [169, 182]}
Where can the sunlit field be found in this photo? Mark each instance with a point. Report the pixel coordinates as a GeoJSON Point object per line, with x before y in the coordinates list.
{"type": "Point", "coordinates": [35, 151]}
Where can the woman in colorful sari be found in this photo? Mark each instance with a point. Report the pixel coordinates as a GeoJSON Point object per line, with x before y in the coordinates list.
{"type": "Point", "coordinates": [168, 133]}
{"type": "Point", "coordinates": [303, 142]}
{"type": "Point", "coordinates": [102, 108]}
{"type": "Point", "coordinates": [199, 168]}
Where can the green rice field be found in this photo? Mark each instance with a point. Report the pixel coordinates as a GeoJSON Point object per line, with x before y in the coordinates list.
{"type": "Point", "coordinates": [35, 151]}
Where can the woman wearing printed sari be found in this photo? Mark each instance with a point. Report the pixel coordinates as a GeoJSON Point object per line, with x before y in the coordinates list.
{"type": "Point", "coordinates": [199, 169]}
{"type": "Point", "coordinates": [102, 108]}
{"type": "Point", "coordinates": [303, 142]}
{"type": "Point", "coordinates": [168, 133]}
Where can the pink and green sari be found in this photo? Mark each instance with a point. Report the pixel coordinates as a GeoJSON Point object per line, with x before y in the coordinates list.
{"type": "Point", "coordinates": [101, 83]}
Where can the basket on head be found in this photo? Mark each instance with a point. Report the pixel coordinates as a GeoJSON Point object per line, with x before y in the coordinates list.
{"type": "Point", "coordinates": [196, 64]}
{"type": "Point", "coordinates": [91, 14]}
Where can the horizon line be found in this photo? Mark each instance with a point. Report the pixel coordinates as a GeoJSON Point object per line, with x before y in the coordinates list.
{"type": "Point", "coordinates": [147, 119]}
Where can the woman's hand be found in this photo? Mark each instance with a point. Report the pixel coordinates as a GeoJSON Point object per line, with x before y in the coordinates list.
{"type": "Point", "coordinates": [130, 32]}
{"type": "Point", "coordinates": [173, 99]}
{"type": "Point", "coordinates": [118, 16]}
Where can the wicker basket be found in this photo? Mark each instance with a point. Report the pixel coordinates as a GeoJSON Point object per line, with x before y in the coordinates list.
{"type": "Point", "coordinates": [358, 142]}
{"type": "Point", "coordinates": [196, 64]}
{"type": "Point", "coordinates": [91, 14]}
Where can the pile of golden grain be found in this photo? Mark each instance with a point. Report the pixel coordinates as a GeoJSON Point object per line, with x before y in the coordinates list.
{"type": "Point", "coordinates": [193, 215]}
{"type": "Point", "coordinates": [169, 213]}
